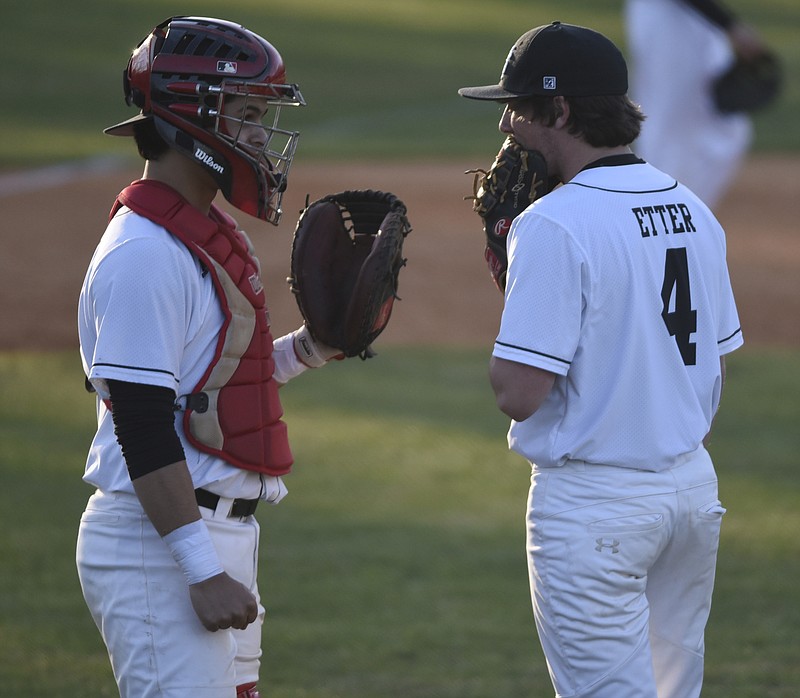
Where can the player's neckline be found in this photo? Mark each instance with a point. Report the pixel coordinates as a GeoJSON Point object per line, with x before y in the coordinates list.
{"type": "Point", "coordinates": [614, 161]}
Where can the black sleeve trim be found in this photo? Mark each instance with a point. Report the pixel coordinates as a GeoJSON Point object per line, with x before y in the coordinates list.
{"type": "Point", "coordinates": [533, 351]}
{"type": "Point", "coordinates": [730, 336]}
{"type": "Point", "coordinates": [144, 423]}
{"type": "Point", "coordinates": [138, 368]}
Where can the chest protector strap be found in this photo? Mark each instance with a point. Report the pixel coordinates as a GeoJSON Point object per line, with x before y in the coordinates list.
{"type": "Point", "coordinates": [234, 412]}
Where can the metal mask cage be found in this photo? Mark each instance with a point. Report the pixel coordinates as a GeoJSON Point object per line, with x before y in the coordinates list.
{"type": "Point", "coordinates": [275, 155]}
{"type": "Point", "coordinates": [270, 154]}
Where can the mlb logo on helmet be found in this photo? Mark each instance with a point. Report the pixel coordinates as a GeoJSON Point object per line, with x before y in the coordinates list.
{"type": "Point", "coordinates": [229, 67]}
{"type": "Point", "coordinates": [549, 82]}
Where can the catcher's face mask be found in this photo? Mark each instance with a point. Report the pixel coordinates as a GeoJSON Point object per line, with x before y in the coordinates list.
{"type": "Point", "coordinates": [209, 85]}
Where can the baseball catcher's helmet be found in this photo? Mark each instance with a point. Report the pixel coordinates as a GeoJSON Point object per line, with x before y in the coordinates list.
{"type": "Point", "coordinates": [180, 76]}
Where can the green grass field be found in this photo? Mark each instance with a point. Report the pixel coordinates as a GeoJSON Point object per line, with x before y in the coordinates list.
{"type": "Point", "coordinates": [396, 565]}
{"type": "Point", "coordinates": [380, 76]}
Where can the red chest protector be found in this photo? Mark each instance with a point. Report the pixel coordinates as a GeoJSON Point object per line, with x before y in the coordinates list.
{"type": "Point", "coordinates": [234, 412]}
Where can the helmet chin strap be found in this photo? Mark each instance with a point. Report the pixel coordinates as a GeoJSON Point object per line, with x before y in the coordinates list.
{"type": "Point", "coordinates": [210, 158]}
{"type": "Point", "coordinates": [250, 181]}
{"type": "Point", "coordinates": [217, 164]}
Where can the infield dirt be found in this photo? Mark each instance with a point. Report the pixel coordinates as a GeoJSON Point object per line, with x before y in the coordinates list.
{"type": "Point", "coordinates": [447, 295]}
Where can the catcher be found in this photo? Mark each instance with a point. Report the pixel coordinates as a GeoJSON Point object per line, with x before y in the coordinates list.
{"type": "Point", "coordinates": [176, 341]}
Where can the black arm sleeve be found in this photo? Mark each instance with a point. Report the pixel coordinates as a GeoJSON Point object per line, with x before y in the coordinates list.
{"type": "Point", "coordinates": [713, 11]}
{"type": "Point", "coordinates": [144, 423]}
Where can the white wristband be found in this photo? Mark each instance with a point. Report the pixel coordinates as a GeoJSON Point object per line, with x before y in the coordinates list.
{"type": "Point", "coordinates": [193, 550]}
{"type": "Point", "coordinates": [298, 351]}
{"type": "Point", "coordinates": [311, 352]}
{"type": "Point", "coordinates": [287, 363]}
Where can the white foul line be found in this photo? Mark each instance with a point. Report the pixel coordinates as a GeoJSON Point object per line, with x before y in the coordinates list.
{"type": "Point", "coordinates": [27, 181]}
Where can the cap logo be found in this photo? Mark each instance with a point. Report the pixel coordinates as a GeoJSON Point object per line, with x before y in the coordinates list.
{"type": "Point", "coordinates": [549, 82]}
{"type": "Point", "coordinates": [230, 67]}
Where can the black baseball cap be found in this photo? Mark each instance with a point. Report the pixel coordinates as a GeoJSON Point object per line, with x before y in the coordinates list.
{"type": "Point", "coordinates": [558, 59]}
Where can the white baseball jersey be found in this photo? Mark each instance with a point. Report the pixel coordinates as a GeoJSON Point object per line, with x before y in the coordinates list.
{"type": "Point", "coordinates": [148, 313]}
{"type": "Point", "coordinates": [618, 283]}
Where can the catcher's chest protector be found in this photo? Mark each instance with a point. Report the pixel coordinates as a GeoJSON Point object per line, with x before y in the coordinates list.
{"type": "Point", "coordinates": [234, 412]}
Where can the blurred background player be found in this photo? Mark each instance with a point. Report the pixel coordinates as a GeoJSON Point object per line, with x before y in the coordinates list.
{"type": "Point", "coordinates": [175, 339]}
{"type": "Point", "coordinates": [677, 48]}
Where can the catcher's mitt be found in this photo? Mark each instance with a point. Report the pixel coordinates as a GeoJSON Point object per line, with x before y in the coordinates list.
{"type": "Point", "coordinates": [346, 259]}
{"type": "Point", "coordinates": [514, 181]}
{"type": "Point", "coordinates": [748, 85]}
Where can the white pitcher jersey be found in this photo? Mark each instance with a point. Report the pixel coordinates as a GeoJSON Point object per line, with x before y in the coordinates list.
{"type": "Point", "coordinates": [618, 284]}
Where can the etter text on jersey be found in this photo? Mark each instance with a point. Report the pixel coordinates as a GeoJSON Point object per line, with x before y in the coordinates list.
{"type": "Point", "coordinates": [664, 218]}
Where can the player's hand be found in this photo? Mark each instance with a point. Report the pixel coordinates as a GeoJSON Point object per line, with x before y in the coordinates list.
{"type": "Point", "coordinates": [221, 602]}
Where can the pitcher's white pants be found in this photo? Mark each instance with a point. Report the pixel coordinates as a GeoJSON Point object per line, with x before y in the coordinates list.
{"type": "Point", "coordinates": [622, 567]}
{"type": "Point", "coordinates": [139, 600]}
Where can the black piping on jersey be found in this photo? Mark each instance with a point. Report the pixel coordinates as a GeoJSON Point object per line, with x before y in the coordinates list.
{"type": "Point", "coordinates": [617, 161]}
{"type": "Point", "coordinates": [533, 351]}
{"type": "Point", "coordinates": [624, 191]}
{"type": "Point", "coordinates": [139, 368]}
{"type": "Point", "coordinates": [731, 336]}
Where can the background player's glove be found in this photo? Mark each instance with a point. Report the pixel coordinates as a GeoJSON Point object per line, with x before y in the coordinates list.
{"type": "Point", "coordinates": [346, 259]}
{"type": "Point", "coordinates": [749, 84]}
{"type": "Point", "coordinates": [514, 181]}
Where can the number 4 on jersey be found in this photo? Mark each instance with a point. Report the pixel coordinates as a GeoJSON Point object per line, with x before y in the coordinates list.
{"type": "Point", "coordinates": [681, 321]}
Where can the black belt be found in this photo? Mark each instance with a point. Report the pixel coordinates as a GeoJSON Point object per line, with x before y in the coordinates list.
{"type": "Point", "coordinates": [240, 507]}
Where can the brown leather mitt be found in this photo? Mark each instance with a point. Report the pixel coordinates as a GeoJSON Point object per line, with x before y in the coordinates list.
{"type": "Point", "coordinates": [515, 180]}
{"type": "Point", "coordinates": [345, 263]}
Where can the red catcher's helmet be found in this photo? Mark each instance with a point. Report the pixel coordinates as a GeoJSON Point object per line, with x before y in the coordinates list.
{"type": "Point", "coordinates": [180, 76]}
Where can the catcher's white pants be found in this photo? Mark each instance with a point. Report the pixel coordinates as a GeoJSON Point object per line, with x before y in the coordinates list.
{"type": "Point", "coordinates": [675, 55]}
{"type": "Point", "coordinates": [139, 600]}
{"type": "Point", "coordinates": [622, 567]}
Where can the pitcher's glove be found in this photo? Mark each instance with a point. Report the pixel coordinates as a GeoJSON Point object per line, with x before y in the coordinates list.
{"type": "Point", "coordinates": [514, 181]}
{"type": "Point", "coordinates": [748, 85]}
{"type": "Point", "coordinates": [345, 263]}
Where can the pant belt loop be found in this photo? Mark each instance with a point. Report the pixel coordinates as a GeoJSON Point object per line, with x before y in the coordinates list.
{"type": "Point", "coordinates": [223, 509]}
